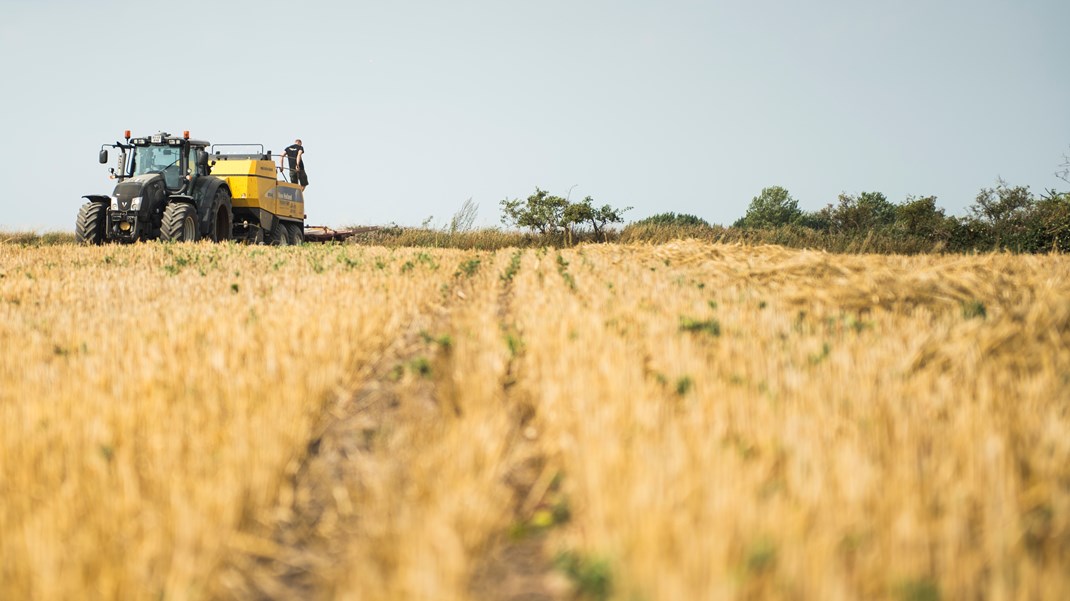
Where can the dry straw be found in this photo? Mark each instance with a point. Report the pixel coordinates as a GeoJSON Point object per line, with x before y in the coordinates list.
{"type": "Point", "coordinates": [677, 421]}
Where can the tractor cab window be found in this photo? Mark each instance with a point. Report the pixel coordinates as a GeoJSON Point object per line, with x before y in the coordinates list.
{"type": "Point", "coordinates": [159, 159]}
{"type": "Point", "coordinates": [194, 154]}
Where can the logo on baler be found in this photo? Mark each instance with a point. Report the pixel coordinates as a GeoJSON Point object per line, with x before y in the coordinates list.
{"type": "Point", "coordinates": [287, 194]}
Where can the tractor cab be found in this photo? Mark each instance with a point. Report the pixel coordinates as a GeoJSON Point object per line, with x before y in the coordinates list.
{"type": "Point", "coordinates": [178, 159]}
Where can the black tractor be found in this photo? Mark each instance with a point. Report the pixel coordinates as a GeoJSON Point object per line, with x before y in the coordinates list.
{"type": "Point", "coordinates": [164, 192]}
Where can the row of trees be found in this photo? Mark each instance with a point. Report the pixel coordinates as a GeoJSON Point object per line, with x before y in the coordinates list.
{"type": "Point", "coordinates": [1004, 216]}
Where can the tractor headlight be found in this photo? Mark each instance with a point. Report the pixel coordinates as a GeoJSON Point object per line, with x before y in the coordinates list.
{"type": "Point", "coordinates": [114, 203]}
{"type": "Point", "coordinates": [135, 203]}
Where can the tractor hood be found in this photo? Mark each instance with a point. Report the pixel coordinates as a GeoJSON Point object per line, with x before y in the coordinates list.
{"type": "Point", "coordinates": [140, 192]}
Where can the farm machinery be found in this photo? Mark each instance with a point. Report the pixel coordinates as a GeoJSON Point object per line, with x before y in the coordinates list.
{"type": "Point", "coordinates": [179, 189]}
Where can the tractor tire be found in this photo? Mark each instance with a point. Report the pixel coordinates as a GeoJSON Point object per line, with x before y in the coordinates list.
{"type": "Point", "coordinates": [280, 236]}
{"type": "Point", "coordinates": [89, 228]}
{"type": "Point", "coordinates": [179, 223]}
{"type": "Point", "coordinates": [223, 218]}
{"type": "Point", "coordinates": [297, 233]}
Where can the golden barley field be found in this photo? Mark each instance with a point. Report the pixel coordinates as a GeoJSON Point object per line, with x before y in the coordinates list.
{"type": "Point", "coordinates": [634, 422]}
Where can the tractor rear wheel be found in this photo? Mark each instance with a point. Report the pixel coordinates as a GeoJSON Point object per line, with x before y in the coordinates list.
{"type": "Point", "coordinates": [223, 220]}
{"type": "Point", "coordinates": [280, 236]}
{"type": "Point", "coordinates": [179, 223]}
{"type": "Point", "coordinates": [89, 228]}
{"type": "Point", "coordinates": [297, 233]}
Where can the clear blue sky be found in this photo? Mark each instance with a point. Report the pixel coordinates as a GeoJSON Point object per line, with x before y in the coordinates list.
{"type": "Point", "coordinates": [409, 108]}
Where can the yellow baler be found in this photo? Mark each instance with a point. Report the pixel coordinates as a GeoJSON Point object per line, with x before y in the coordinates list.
{"type": "Point", "coordinates": [265, 208]}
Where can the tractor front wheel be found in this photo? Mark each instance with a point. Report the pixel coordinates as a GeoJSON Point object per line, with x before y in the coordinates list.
{"type": "Point", "coordinates": [89, 228]}
{"type": "Point", "coordinates": [179, 223]}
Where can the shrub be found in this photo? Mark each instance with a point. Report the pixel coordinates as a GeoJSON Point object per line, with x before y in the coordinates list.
{"type": "Point", "coordinates": [816, 220]}
{"type": "Point", "coordinates": [1002, 204]}
{"type": "Point", "coordinates": [922, 218]}
{"type": "Point", "coordinates": [1051, 220]}
{"type": "Point", "coordinates": [654, 233]}
{"type": "Point", "coordinates": [774, 207]}
{"type": "Point", "coordinates": [862, 213]}
{"type": "Point", "coordinates": [673, 220]}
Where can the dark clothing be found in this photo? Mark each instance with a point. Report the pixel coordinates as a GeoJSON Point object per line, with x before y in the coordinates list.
{"type": "Point", "coordinates": [291, 154]}
{"type": "Point", "coordinates": [298, 176]}
{"type": "Point", "coordinates": [297, 171]}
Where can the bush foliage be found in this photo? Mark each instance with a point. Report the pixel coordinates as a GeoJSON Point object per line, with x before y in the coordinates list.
{"type": "Point", "coordinates": [554, 216]}
{"type": "Point", "coordinates": [673, 220]}
{"type": "Point", "coordinates": [1003, 217]}
{"type": "Point", "coordinates": [774, 207]}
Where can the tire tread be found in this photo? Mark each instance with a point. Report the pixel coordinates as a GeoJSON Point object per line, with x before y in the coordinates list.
{"type": "Point", "coordinates": [89, 227]}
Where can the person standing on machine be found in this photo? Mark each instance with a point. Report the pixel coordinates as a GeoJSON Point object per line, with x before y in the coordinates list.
{"type": "Point", "coordinates": [295, 154]}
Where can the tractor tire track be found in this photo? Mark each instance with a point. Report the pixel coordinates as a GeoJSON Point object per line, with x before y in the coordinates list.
{"type": "Point", "coordinates": [302, 550]}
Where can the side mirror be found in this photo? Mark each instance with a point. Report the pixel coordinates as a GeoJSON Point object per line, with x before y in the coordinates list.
{"type": "Point", "coordinates": [202, 159]}
{"type": "Point", "coordinates": [103, 156]}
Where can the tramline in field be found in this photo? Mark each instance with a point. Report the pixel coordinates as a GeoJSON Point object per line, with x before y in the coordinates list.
{"type": "Point", "coordinates": [175, 188]}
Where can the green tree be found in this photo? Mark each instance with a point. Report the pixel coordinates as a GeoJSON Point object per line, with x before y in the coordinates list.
{"type": "Point", "coordinates": [772, 208]}
{"type": "Point", "coordinates": [1005, 217]}
{"type": "Point", "coordinates": [1050, 218]}
{"type": "Point", "coordinates": [577, 213]}
{"type": "Point", "coordinates": [862, 213]}
{"type": "Point", "coordinates": [1002, 204]}
{"type": "Point", "coordinates": [820, 220]}
{"type": "Point", "coordinates": [548, 214]}
{"type": "Point", "coordinates": [602, 216]}
{"type": "Point", "coordinates": [540, 212]}
{"type": "Point", "coordinates": [921, 217]}
{"type": "Point", "coordinates": [1000, 217]}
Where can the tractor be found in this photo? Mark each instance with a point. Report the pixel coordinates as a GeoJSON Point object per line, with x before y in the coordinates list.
{"type": "Point", "coordinates": [173, 188]}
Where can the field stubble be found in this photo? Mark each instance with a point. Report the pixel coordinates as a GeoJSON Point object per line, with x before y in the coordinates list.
{"type": "Point", "coordinates": [639, 422]}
